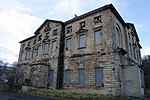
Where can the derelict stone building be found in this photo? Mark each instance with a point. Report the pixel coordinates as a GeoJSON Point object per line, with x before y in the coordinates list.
{"type": "Point", "coordinates": [93, 52]}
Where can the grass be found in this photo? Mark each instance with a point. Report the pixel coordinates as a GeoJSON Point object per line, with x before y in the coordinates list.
{"type": "Point", "coordinates": [147, 93]}
{"type": "Point", "coordinates": [62, 94]}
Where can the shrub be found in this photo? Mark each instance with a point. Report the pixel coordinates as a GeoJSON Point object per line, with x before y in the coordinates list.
{"type": "Point", "coordinates": [73, 95]}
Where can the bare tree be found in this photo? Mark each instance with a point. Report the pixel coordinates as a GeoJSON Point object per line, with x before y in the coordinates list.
{"type": "Point", "coordinates": [146, 66]}
{"type": "Point", "coordinates": [1, 63]}
{"type": "Point", "coordinates": [6, 64]}
{"type": "Point", "coordinates": [14, 64]}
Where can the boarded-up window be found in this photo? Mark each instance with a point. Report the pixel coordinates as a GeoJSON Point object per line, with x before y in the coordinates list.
{"type": "Point", "coordinates": [98, 76]}
{"type": "Point", "coordinates": [81, 77]}
{"type": "Point", "coordinates": [51, 77]}
{"type": "Point", "coordinates": [67, 77]}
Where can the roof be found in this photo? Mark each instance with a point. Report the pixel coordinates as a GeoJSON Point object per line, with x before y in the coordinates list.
{"type": "Point", "coordinates": [36, 32]}
{"type": "Point", "coordinates": [27, 39]}
{"type": "Point", "coordinates": [139, 45]}
{"type": "Point", "coordinates": [132, 25]}
{"type": "Point", "coordinates": [47, 20]}
{"type": "Point", "coordinates": [110, 6]}
{"type": "Point", "coordinates": [106, 7]}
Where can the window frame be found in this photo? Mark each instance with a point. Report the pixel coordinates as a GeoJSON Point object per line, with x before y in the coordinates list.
{"type": "Point", "coordinates": [44, 47]}
{"type": "Point", "coordinates": [70, 48]}
{"type": "Point", "coordinates": [47, 35]}
{"type": "Point", "coordinates": [39, 37]}
{"type": "Point", "coordinates": [52, 48]}
{"type": "Point", "coordinates": [22, 56]}
{"type": "Point", "coordinates": [100, 79]}
{"type": "Point", "coordinates": [69, 29]}
{"type": "Point", "coordinates": [27, 55]}
{"type": "Point", "coordinates": [80, 84]}
{"type": "Point", "coordinates": [51, 79]}
{"type": "Point", "coordinates": [79, 45]}
{"type": "Point", "coordinates": [97, 19]}
{"type": "Point", "coordinates": [38, 50]}
{"type": "Point", "coordinates": [82, 25]}
{"type": "Point", "coordinates": [34, 42]}
{"type": "Point", "coordinates": [67, 79]}
{"type": "Point", "coordinates": [101, 37]}
{"type": "Point", "coordinates": [32, 56]}
{"type": "Point", "coordinates": [117, 36]}
{"type": "Point", "coordinates": [55, 32]}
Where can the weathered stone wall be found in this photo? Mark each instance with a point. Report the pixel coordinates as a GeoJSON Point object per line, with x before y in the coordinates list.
{"type": "Point", "coordinates": [120, 70]}
{"type": "Point", "coordinates": [95, 55]}
{"type": "Point", "coordinates": [44, 62]}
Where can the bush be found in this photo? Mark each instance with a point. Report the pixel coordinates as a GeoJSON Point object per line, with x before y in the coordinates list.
{"type": "Point", "coordinates": [147, 92]}
{"type": "Point", "coordinates": [27, 82]}
{"type": "Point", "coordinates": [72, 95]}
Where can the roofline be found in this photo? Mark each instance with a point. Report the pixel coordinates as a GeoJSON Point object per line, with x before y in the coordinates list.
{"type": "Point", "coordinates": [47, 20]}
{"type": "Point", "coordinates": [28, 39]}
{"type": "Point", "coordinates": [139, 45]}
{"type": "Point", "coordinates": [109, 6]}
{"type": "Point", "coordinates": [131, 24]}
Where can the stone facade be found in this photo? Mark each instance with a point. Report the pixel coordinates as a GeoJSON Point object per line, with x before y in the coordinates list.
{"type": "Point", "coordinates": [96, 51]}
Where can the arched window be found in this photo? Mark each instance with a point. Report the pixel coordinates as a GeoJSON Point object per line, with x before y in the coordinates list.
{"type": "Point", "coordinates": [34, 71]}
{"type": "Point", "coordinates": [118, 31]}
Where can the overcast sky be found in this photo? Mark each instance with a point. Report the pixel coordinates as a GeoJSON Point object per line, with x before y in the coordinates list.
{"type": "Point", "coordinates": [20, 18]}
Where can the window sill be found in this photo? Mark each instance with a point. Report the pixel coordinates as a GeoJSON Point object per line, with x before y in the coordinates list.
{"type": "Point", "coordinates": [45, 54]}
{"type": "Point", "coordinates": [81, 48]}
{"type": "Point", "coordinates": [69, 50]}
{"type": "Point", "coordinates": [97, 44]}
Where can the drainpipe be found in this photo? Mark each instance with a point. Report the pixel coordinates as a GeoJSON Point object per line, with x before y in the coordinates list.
{"type": "Point", "coordinates": [60, 67]}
